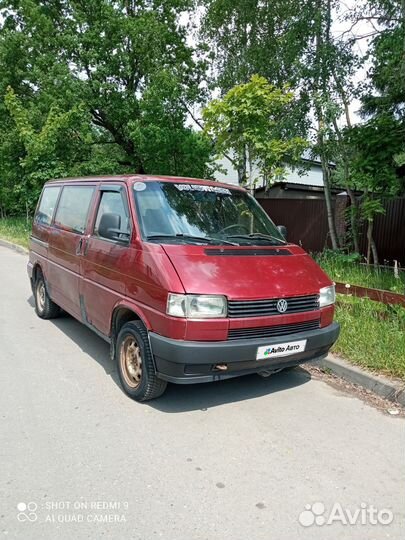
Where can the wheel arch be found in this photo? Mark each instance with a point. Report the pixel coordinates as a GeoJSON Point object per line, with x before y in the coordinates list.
{"type": "Point", "coordinates": [37, 268]}
{"type": "Point", "coordinates": [123, 313]}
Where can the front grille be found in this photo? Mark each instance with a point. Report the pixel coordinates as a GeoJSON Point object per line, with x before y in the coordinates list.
{"type": "Point", "coordinates": [263, 308]}
{"type": "Point", "coordinates": [272, 331]}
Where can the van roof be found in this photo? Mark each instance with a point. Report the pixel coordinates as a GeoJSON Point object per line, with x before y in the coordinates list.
{"type": "Point", "coordinates": [130, 178]}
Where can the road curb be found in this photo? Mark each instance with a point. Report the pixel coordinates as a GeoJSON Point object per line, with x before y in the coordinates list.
{"type": "Point", "coordinates": [15, 247]}
{"type": "Point", "coordinates": [380, 385]}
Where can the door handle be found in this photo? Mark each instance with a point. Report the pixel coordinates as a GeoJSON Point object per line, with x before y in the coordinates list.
{"type": "Point", "coordinates": [86, 244]}
{"type": "Point", "coordinates": [79, 246]}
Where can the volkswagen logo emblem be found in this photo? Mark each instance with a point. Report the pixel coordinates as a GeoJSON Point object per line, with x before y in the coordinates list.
{"type": "Point", "coordinates": [282, 306]}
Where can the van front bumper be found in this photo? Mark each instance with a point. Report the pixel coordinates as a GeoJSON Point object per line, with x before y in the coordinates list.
{"type": "Point", "coordinates": [186, 362]}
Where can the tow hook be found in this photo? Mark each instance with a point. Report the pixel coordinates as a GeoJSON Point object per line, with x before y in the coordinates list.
{"type": "Point", "coordinates": [268, 372]}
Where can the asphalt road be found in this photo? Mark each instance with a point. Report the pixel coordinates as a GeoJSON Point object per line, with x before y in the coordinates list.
{"type": "Point", "coordinates": [237, 460]}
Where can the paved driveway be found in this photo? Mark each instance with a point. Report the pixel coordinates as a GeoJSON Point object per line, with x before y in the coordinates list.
{"type": "Point", "coordinates": [236, 460]}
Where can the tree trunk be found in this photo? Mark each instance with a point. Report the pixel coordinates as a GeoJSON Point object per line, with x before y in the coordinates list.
{"type": "Point", "coordinates": [326, 182]}
{"type": "Point", "coordinates": [242, 169]}
{"type": "Point", "coordinates": [329, 204]}
{"type": "Point", "coordinates": [374, 251]}
{"type": "Point", "coordinates": [251, 184]}
{"type": "Point", "coordinates": [371, 247]}
{"type": "Point", "coordinates": [100, 118]}
{"type": "Point", "coordinates": [353, 219]}
{"type": "Point", "coordinates": [320, 87]}
{"type": "Point", "coordinates": [403, 42]}
{"type": "Point", "coordinates": [346, 174]}
{"type": "Point", "coordinates": [369, 236]}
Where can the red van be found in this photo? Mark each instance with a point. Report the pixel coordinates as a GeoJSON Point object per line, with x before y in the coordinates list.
{"type": "Point", "coordinates": [188, 280]}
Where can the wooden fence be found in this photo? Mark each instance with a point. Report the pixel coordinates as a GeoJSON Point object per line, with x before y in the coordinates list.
{"type": "Point", "coordinates": [306, 220]}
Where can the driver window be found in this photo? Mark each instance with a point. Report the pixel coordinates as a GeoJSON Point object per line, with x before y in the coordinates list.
{"type": "Point", "coordinates": [111, 202]}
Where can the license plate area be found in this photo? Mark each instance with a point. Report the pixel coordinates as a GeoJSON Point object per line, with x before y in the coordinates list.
{"type": "Point", "coordinates": [280, 349]}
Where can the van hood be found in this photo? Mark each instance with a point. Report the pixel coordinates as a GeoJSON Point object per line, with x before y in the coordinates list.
{"type": "Point", "coordinates": [246, 272]}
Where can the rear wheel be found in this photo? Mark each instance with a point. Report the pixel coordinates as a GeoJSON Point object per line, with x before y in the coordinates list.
{"type": "Point", "coordinates": [44, 307]}
{"type": "Point", "coordinates": [135, 363]}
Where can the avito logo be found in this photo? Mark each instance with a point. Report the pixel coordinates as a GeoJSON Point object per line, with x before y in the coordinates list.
{"type": "Point", "coordinates": [316, 514]}
{"type": "Point", "coordinates": [273, 350]}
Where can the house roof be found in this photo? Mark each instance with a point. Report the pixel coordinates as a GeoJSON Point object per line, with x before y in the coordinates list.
{"type": "Point", "coordinates": [300, 187]}
{"type": "Point", "coordinates": [309, 157]}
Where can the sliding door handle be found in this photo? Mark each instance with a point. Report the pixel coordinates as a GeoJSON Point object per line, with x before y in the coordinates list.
{"type": "Point", "coordinates": [79, 246]}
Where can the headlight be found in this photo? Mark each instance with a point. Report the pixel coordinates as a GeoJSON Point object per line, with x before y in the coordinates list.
{"type": "Point", "coordinates": [196, 306]}
{"type": "Point", "coordinates": [327, 296]}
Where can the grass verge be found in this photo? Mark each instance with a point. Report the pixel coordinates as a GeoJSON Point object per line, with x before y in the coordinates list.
{"type": "Point", "coordinates": [15, 230]}
{"type": "Point", "coordinates": [352, 272]}
{"type": "Point", "coordinates": [372, 335]}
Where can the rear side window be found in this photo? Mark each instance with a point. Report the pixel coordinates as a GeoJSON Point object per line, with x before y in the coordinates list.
{"type": "Point", "coordinates": [47, 205]}
{"type": "Point", "coordinates": [73, 208]}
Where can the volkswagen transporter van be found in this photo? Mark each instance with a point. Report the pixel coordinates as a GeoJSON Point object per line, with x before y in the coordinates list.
{"type": "Point", "coordinates": [188, 280]}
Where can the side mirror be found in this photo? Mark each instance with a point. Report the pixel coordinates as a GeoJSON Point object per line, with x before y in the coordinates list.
{"type": "Point", "coordinates": [110, 227]}
{"type": "Point", "coordinates": [282, 229]}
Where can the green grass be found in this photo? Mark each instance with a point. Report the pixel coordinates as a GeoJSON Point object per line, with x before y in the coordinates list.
{"type": "Point", "coordinates": [340, 268]}
{"type": "Point", "coordinates": [372, 335]}
{"type": "Point", "coordinates": [15, 230]}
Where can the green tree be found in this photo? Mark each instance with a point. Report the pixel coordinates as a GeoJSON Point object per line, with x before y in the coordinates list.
{"type": "Point", "coordinates": [99, 63]}
{"type": "Point", "coordinates": [161, 136]}
{"type": "Point", "coordinates": [50, 152]}
{"type": "Point", "coordinates": [329, 77]}
{"type": "Point", "coordinates": [248, 120]}
{"type": "Point", "coordinates": [376, 146]}
{"type": "Point", "coordinates": [374, 171]}
{"type": "Point", "coordinates": [386, 54]}
{"type": "Point", "coordinates": [288, 42]}
{"type": "Point", "coordinates": [251, 36]}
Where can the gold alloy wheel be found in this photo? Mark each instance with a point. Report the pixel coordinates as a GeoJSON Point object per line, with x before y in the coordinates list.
{"type": "Point", "coordinates": [41, 296]}
{"type": "Point", "coordinates": [131, 362]}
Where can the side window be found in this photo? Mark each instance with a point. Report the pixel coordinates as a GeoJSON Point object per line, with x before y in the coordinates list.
{"type": "Point", "coordinates": [47, 205]}
{"type": "Point", "coordinates": [112, 202]}
{"type": "Point", "coordinates": [73, 207]}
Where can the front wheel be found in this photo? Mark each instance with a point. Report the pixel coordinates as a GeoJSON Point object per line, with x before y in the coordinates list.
{"type": "Point", "coordinates": [135, 363]}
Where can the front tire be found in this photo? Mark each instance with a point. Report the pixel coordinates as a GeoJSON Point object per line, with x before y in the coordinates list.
{"type": "Point", "coordinates": [135, 363]}
{"type": "Point", "coordinates": [44, 307]}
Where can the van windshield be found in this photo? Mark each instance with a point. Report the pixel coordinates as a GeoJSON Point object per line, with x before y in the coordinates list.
{"type": "Point", "coordinates": [202, 214]}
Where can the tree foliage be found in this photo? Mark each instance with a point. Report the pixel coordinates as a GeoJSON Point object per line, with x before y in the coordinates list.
{"type": "Point", "coordinates": [296, 42]}
{"type": "Point", "coordinates": [91, 86]}
{"type": "Point", "coordinates": [95, 86]}
{"type": "Point", "coordinates": [248, 119]}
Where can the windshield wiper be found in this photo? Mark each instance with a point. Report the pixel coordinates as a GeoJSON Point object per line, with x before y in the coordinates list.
{"type": "Point", "coordinates": [258, 236]}
{"type": "Point", "coordinates": [271, 237]}
{"type": "Point", "coordinates": [204, 239]}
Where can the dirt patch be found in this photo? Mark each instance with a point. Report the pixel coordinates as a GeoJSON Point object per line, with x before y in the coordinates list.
{"type": "Point", "coordinates": [386, 406]}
